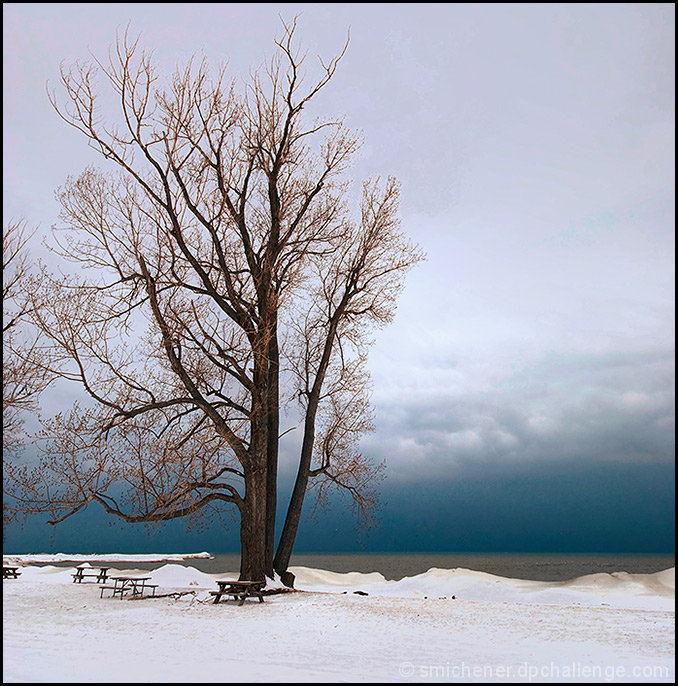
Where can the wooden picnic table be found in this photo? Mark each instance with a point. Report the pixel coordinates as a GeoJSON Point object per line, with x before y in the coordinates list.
{"type": "Point", "coordinates": [10, 572]}
{"type": "Point", "coordinates": [239, 590]}
{"type": "Point", "coordinates": [122, 584]}
{"type": "Point", "coordinates": [81, 574]}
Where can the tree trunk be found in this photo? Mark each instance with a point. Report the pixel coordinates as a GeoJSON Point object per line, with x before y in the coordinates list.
{"type": "Point", "coordinates": [273, 402]}
{"type": "Point", "coordinates": [289, 532]}
{"type": "Point", "coordinates": [253, 526]}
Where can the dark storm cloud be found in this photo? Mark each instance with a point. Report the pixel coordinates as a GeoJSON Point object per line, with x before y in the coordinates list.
{"type": "Point", "coordinates": [613, 407]}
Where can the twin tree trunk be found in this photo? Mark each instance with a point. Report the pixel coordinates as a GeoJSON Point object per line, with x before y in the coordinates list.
{"type": "Point", "coordinates": [258, 513]}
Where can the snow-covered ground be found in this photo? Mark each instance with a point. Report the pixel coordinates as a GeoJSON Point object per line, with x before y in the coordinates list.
{"type": "Point", "coordinates": [444, 625]}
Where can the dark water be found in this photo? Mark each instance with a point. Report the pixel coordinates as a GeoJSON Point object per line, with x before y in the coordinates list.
{"type": "Point", "coordinates": [397, 566]}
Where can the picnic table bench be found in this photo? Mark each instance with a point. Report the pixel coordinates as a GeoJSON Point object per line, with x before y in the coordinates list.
{"type": "Point", "coordinates": [122, 584]}
{"type": "Point", "coordinates": [239, 590]}
{"type": "Point", "coordinates": [10, 572]}
{"type": "Point", "coordinates": [82, 572]}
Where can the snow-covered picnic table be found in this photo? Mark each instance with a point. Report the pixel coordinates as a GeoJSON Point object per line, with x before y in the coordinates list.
{"type": "Point", "coordinates": [239, 590]}
{"type": "Point", "coordinates": [123, 584]}
{"type": "Point", "coordinates": [83, 571]}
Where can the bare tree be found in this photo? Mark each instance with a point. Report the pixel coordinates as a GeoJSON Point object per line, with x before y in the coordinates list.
{"type": "Point", "coordinates": [24, 371]}
{"type": "Point", "coordinates": [354, 289]}
{"type": "Point", "coordinates": [226, 232]}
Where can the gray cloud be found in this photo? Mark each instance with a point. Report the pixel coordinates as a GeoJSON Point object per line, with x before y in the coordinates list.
{"type": "Point", "coordinates": [607, 408]}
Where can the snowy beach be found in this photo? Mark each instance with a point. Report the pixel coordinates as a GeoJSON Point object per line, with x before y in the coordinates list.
{"type": "Point", "coordinates": [601, 627]}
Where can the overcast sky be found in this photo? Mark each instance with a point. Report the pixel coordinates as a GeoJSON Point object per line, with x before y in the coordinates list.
{"type": "Point", "coordinates": [535, 146]}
